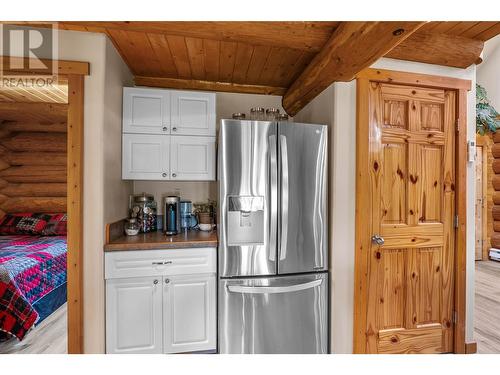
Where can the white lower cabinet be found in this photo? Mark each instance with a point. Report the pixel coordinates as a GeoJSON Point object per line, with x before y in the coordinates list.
{"type": "Point", "coordinates": [163, 310]}
{"type": "Point", "coordinates": [134, 315]}
{"type": "Point", "coordinates": [189, 313]}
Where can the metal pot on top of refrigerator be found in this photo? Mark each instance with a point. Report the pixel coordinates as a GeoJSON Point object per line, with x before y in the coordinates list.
{"type": "Point", "coordinates": [273, 245]}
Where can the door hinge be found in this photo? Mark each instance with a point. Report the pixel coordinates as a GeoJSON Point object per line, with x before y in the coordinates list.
{"type": "Point", "coordinates": [454, 317]}
{"type": "Point", "coordinates": [457, 125]}
{"type": "Point", "coordinates": [455, 221]}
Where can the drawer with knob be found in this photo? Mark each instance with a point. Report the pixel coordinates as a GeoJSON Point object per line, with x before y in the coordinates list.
{"type": "Point", "coordinates": [124, 264]}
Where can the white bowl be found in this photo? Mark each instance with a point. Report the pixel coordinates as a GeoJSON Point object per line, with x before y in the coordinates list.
{"type": "Point", "coordinates": [205, 227]}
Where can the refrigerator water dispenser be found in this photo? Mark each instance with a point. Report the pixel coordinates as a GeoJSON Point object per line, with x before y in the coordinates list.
{"type": "Point", "coordinates": [245, 221]}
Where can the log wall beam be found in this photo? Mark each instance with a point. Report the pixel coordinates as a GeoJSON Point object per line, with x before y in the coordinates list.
{"type": "Point", "coordinates": [439, 49]}
{"type": "Point", "coordinates": [352, 47]}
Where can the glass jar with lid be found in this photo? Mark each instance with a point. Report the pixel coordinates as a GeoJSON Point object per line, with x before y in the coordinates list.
{"type": "Point", "coordinates": [272, 114]}
{"type": "Point", "coordinates": [257, 114]}
{"type": "Point", "coordinates": [131, 227]}
{"type": "Point", "coordinates": [239, 116]}
{"type": "Point", "coordinates": [143, 208]}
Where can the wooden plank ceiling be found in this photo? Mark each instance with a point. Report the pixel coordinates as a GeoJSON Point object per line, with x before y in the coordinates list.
{"type": "Point", "coordinates": [269, 57]}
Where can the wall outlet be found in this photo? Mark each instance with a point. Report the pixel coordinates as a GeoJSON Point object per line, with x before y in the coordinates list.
{"type": "Point", "coordinates": [471, 151]}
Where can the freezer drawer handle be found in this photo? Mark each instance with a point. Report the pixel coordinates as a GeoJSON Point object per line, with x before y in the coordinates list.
{"type": "Point", "coordinates": [273, 289]}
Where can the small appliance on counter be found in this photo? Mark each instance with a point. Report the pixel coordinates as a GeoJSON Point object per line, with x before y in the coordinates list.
{"type": "Point", "coordinates": [188, 220]}
{"type": "Point", "coordinates": [171, 215]}
{"type": "Point", "coordinates": [143, 208]}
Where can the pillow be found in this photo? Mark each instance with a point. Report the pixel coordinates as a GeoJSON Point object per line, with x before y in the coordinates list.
{"type": "Point", "coordinates": [56, 225]}
{"type": "Point", "coordinates": [24, 223]}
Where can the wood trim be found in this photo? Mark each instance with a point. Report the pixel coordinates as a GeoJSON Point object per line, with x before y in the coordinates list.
{"type": "Point", "coordinates": [363, 216]}
{"type": "Point", "coordinates": [75, 213]}
{"type": "Point", "coordinates": [482, 141]}
{"type": "Point", "coordinates": [471, 347]}
{"type": "Point", "coordinates": [187, 84]}
{"type": "Point", "coordinates": [405, 78]}
{"type": "Point", "coordinates": [363, 232]}
{"type": "Point", "coordinates": [64, 67]}
{"type": "Point", "coordinates": [352, 47]}
{"type": "Point", "coordinates": [461, 232]}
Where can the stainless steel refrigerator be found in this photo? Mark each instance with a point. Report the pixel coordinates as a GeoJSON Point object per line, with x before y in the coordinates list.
{"type": "Point", "coordinates": [273, 242]}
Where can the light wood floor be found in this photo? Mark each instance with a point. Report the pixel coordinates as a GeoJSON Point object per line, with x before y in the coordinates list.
{"type": "Point", "coordinates": [487, 307]}
{"type": "Point", "coordinates": [50, 337]}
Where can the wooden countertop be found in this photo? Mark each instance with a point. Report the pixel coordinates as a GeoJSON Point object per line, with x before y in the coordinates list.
{"type": "Point", "coordinates": [158, 240]}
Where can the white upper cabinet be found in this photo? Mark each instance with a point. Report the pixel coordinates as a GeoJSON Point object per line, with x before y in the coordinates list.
{"type": "Point", "coordinates": [145, 157]}
{"type": "Point", "coordinates": [192, 158]}
{"type": "Point", "coordinates": [192, 113]}
{"type": "Point", "coordinates": [146, 111]}
{"type": "Point", "coordinates": [168, 135]}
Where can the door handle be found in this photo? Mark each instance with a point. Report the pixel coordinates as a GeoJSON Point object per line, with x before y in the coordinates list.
{"type": "Point", "coordinates": [273, 197]}
{"type": "Point", "coordinates": [273, 289]}
{"type": "Point", "coordinates": [162, 263]}
{"type": "Point", "coordinates": [377, 240]}
{"type": "Point", "coordinates": [284, 197]}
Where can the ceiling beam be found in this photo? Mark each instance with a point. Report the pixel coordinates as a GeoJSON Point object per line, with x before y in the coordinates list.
{"type": "Point", "coordinates": [439, 49]}
{"type": "Point", "coordinates": [352, 47]}
{"type": "Point", "coordinates": [308, 36]}
{"type": "Point", "coordinates": [188, 84]}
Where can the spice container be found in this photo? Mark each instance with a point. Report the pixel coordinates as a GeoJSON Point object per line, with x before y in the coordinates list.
{"type": "Point", "coordinates": [272, 114]}
{"type": "Point", "coordinates": [283, 117]}
{"type": "Point", "coordinates": [257, 113]}
{"type": "Point", "coordinates": [239, 116]}
{"type": "Point", "coordinates": [131, 227]}
{"type": "Point", "coordinates": [143, 208]}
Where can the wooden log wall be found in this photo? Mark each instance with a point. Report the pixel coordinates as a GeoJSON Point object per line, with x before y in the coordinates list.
{"type": "Point", "coordinates": [33, 165]}
{"type": "Point", "coordinates": [493, 194]}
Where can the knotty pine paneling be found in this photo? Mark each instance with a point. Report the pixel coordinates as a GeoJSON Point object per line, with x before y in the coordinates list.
{"type": "Point", "coordinates": [33, 170]}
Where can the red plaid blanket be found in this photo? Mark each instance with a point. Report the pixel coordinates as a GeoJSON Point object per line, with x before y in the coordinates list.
{"type": "Point", "coordinates": [30, 268]}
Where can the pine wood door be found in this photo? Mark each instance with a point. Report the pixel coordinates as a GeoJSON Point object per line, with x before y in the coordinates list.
{"type": "Point", "coordinates": [412, 183]}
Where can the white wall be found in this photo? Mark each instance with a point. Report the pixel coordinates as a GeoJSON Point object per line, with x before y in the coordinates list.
{"type": "Point", "coordinates": [198, 191]}
{"type": "Point", "coordinates": [337, 107]}
{"type": "Point", "coordinates": [488, 73]}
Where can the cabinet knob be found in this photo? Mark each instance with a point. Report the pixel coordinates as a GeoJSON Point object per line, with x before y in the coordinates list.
{"type": "Point", "coordinates": [174, 175]}
{"type": "Point", "coordinates": [155, 282]}
{"type": "Point", "coordinates": [164, 174]}
{"type": "Point", "coordinates": [174, 129]}
{"type": "Point", "coordinates": [167, 281]}
{"type": "Point", "coordinates": [165, 128]}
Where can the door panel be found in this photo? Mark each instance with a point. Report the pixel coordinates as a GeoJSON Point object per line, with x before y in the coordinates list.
{"type": "Point", "coordinates": [189, 313]}
{"type": "Point", "coordinates": [248, 198]}
{"type": "Point", "coordinates": [146, 111]}
{"type": "Point", "coordinates": [410, 275]}
{"type": "Point", "coordinates": [145, 157]}
{"type": "Point", "coordinates": [278, 315]}
{"type": "Point", "coordinates": [193, 113]}
{"type": "Point", "coordinates": [303, 204]}
{"type": "Point", "coordinates": [133, 315]}
{"type": "Point", "coordinates": [192, 158]}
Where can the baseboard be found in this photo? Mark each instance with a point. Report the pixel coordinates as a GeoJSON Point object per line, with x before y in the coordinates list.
{"type": "Point", "coordinates": [471, 347]}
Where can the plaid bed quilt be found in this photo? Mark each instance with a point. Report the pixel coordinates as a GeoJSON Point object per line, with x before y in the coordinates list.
{"type": "Point", "coordinates": [30, 267]}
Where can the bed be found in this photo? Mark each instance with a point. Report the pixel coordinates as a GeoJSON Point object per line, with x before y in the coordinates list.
{"type": "Point", "coordinates": [32, 279]}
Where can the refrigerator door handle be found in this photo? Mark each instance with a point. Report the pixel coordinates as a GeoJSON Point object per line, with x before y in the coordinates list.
{"type": "Point", "coordinates": [284, 196]}
{"type": "Point", "coordinates": [273, 289]}
{"type": "Point", "coordinates": [273, 227]}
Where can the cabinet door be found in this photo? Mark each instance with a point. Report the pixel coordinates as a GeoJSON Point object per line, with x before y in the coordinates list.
{"type": "Point", "coordinates": [193, 113]}
{"type": "Point", "coordinates": [189, 313]}
{"type": "Point", "coordinates": [192, 158]}
{"type": "Point", "coordinates": [145, 157]}
{"type": "Point", "coordinates": [134, 315]}
{"type": "Point", "coordinates": [146, 111]}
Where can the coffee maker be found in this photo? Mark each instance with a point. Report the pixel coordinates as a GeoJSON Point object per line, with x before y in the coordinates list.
{"type": "Point", "coordinates": [171, 215]}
